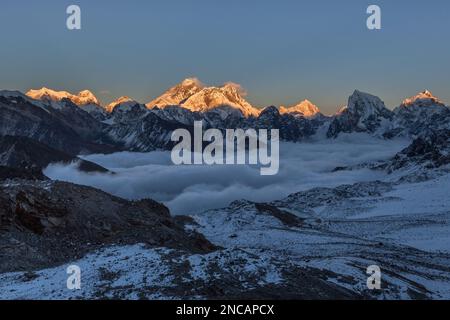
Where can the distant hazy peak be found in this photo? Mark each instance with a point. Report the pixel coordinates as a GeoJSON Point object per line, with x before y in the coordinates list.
{"type": "Point", "coordinates": [305, 108]}
{"type": "Point", "coordinates": [122, 101]}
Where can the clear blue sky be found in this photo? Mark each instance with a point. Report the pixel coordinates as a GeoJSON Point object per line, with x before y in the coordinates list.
{"type": "Point", "coordinates": [280, 51]}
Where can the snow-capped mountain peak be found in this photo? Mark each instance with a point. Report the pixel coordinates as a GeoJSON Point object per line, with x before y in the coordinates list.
{"type": "Point", "coordinates": [177, 94]}
{"type": "Point", "coordinates": [84, 97]}
{"type": "Point", "coordinates": [422, 99]}
{"type": "Point", "coordinates": [421, 113]}
{"type": "Point", "coordinates": [190, 82]}
{"type": "Point", "coordinates": [229, 95]}
{"type": "Point", "coordinates": [364, 113]}
{"type": "Point", "coordinates": [191, 94]}
{"type": "Point", "coordinates": [87, 97]}
{"type": "Point", "coordinates": [123, 102]}
{"type": "Point", "coordinates": [362, 102]}
{"type": "Point", "coordinates": [304, 108]}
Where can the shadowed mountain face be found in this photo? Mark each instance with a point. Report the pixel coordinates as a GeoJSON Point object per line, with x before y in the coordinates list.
{"type": "Point", "coordinates": [71, 130]}
{"type": "Point", "coordinates": [22, 153]}
{"type": "Point", "coordinates": [364, 113]}
{"type": "Point", "coordinates": [11, 173]}
{"type": "Point", "coordinates": [419, 115]}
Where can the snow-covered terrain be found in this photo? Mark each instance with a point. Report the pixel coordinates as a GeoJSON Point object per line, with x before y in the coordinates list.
{"type": "Point", "coordinates": [321, 240]}
{"type": "Point", "coordinates": [403, 227]}
{"type": "Point", "coordinates": [134, 272]}
{"type": "Point", "coordinates": [335, 225]}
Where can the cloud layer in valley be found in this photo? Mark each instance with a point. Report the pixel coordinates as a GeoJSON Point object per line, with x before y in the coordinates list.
{"type": "Point", "coordinates": [190, 189]}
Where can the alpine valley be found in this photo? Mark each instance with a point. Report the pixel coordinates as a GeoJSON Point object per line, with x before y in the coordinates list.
{"type": "Point", "coordinates": [315, 241]}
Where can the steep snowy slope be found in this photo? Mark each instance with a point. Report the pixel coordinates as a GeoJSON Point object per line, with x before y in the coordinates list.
{"type": "Point", "coordinates": [364, 113]}
{"type": "Point", "coordinates": [227, 99]}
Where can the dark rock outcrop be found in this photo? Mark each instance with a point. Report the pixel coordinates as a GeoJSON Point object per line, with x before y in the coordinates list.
{"type": "Point", "coordinates": [47, 223]}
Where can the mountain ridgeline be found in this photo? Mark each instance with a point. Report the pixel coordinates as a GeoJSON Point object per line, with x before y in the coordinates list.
{"type": "Point", "coordinates": [80, 124]}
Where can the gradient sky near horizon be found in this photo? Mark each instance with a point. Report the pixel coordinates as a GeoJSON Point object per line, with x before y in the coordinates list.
{"type": "Point", "coordinates": [279, 51]}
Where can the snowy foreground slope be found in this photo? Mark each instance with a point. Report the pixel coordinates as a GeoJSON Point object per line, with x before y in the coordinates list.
{"type": "Point", "coordinates": [312, 244]}
{"type": "Point", "coordinates": [403, 228]}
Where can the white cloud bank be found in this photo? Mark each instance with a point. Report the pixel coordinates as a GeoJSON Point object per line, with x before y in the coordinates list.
{"type": "Point", "coordinates": [190, 189]}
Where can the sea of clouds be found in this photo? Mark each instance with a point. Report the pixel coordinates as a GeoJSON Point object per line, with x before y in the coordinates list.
{"type": "Point", "coordinates": [194, 188]}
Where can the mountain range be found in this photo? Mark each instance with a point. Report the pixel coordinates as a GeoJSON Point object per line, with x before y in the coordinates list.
{"type": "Point", "coordinates": [79, 123]}
{"type": "Point", "coordinates": [315, 243]}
